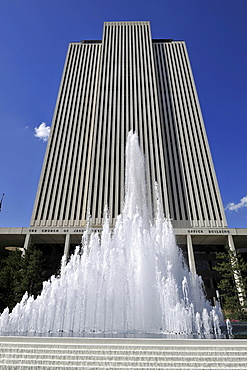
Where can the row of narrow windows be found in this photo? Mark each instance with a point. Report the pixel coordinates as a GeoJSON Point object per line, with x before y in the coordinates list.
{"type": "Point", "coordinates": [120, 80]}
{"type": "Point", "coordinates": [173, 161]}
{"type": "Point", "coordinates": [66, 135]}
{"type": "Point", "coordinates": [133, 113]}
{"type": "Point", "coordinates": [185, 120]}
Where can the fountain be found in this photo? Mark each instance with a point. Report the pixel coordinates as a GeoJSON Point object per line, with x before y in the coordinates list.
{"type": "Point", "coordinates": [132, 280]}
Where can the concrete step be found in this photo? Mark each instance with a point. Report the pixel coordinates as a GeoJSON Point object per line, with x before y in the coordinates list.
{"type": "Point", "coordinates": [74, 353]}
{"type": "Point", "coordinates": [105, 349]}
{"type": "Point", "coordinates": [202, 366]}
{"type": "Point", "coordinates": [212, 357]}
{"type": "Point", "coordinates": [144, 363]}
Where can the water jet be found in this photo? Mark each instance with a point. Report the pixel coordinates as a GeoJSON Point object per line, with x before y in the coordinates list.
{"type": "Point", "coordinates": [132, 280]}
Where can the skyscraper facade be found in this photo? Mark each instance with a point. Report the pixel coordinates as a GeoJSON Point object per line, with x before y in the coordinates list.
{"type": "Point", "coordinates": [127, 81]}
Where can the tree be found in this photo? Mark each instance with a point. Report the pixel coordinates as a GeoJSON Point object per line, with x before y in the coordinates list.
{"type": "Point", "coordinates": [20, 274]}
{"type": "Point", "coordinates": [30, 276]}
{"type": "Point", "coordinates": [233, 283]}
{"type": "Point", "coordinates": [8, 279]}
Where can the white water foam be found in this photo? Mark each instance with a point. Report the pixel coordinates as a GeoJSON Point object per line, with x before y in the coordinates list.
{"type": "Point", "coordinates": [132, 279]}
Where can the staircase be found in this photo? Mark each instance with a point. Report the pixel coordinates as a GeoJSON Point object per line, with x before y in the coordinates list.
{"type": "Point", "coordinates": [94, 353]}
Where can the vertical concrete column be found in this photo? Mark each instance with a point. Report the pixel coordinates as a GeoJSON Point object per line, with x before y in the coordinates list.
{"type": "Point", "coordinates": [67, 245]}
{"type": "Point", "coordinates": [191, 258]}
{"type": "Point", "coordinates": [231, 243]}
{"type": "Point", "coordinates": [26, 243]}
{"type": "Point", "coordinates": [237, 274]}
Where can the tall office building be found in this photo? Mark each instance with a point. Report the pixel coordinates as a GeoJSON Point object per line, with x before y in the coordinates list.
{"type": "Point", "coordinates": [127, 82]}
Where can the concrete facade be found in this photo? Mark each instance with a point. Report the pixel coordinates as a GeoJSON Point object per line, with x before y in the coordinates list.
{"type": "Point", "coordinates": [127, 82]}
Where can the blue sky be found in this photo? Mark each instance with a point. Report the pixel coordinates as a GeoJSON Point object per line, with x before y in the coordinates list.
{"type": "Point", "coordinates": [34, 36]}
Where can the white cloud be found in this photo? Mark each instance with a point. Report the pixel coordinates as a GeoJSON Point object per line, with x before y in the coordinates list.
{"type": "Point", "coordinates": [42, 132]}
{"type": "Point", "coordinates": [235, 207]}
